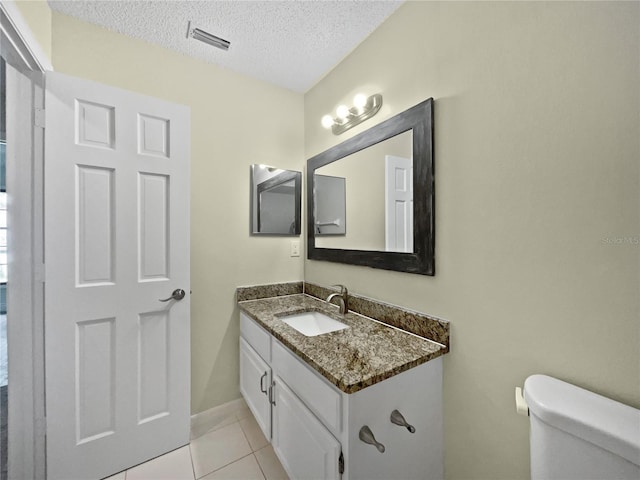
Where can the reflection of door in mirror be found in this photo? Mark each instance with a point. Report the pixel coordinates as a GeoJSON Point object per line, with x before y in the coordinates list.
{"type": "Point", "coordinates": [398, 194]}
{"type": "Point", "coordinates": [330, 196]}
{"type": "Point", "coordinates": [366, 204]}
{"type": "Point", "coordinates": [277, 208]}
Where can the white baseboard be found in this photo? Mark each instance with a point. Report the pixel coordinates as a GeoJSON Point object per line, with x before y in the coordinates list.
{"type": "Point", "coordinates": [225, 409]}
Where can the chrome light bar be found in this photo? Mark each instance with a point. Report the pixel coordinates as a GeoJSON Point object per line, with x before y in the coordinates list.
{"type": "Point", "coordinates": [207, 38]}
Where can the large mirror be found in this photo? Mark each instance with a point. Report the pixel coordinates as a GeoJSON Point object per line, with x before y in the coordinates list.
{"type": "Point", "coordinates": [387, 182]}
{"type": "Point", "coordinates": [275, 201]}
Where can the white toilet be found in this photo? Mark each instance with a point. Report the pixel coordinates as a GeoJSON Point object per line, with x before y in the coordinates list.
{"type": "Point", "coordinates": [578, 435]}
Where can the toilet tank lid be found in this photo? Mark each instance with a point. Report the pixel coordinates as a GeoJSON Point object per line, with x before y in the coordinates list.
{"type": "Point", "coordinates": [611, 425]}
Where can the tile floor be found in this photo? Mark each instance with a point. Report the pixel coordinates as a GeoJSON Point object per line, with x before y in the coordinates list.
{"type": "Point", "coordinates": [226, 445]}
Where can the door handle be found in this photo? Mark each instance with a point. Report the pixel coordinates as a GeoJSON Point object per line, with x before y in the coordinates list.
{"type": "Point", "coordinates": [178, 294]}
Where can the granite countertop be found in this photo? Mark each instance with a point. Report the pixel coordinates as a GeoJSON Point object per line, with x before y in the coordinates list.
{"type": "Point", "coordinates": [352, 358]}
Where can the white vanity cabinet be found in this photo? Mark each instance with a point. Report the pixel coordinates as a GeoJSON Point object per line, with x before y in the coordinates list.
{"type": "Point", "coordinates": [255, 372]}
{"type": "Point", "coordinates": [307, 418]}
{"type": "Point", "coordinates": [303, 444]}
{"type": "Point", "coordinates": [315, 428]}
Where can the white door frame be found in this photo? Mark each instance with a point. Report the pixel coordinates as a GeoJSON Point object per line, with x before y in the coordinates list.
{"type": "Point", "coordinates": [26, 452]}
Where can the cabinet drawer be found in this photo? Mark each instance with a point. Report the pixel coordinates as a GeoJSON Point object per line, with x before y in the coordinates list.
{"type": "Point", "coordinates": [256, 336]}
{"type": "Point", "coordinates": [316, 393]}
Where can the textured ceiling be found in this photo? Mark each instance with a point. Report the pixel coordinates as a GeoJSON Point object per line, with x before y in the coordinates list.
{"type": "Point", "coordinates": [288, 43]}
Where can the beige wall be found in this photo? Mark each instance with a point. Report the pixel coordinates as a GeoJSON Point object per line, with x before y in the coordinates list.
{"type": "Point", "coordinates": [236, 121]}
{"type": "Point", "coordinates": [537, 165]}
{"type": "Point", "coordinates": [37, 14]}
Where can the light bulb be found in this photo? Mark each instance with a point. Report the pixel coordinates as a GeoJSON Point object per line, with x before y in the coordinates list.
{"type": "Point", "coordinates": [342, 112]}
{"type": "Point", "coordinates": [359, 101]}
{"type": "Point", "coordinates": [327, 121]}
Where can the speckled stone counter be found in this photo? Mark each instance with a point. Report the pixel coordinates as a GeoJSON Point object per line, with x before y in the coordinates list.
{"type": "Point", "coordinates": [351, 359]}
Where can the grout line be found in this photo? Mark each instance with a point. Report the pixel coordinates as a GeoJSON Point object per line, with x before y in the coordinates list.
{"type": "Point", "coordinates": [238, 421]}
{"type": "Point", "coordinates": [220, 468]}
{"type": "Point", "coordinates": [260, 466]}
{"type": "Point", "coordinates": [252, 417]}
{"type": "Point", "coordinates": [226, 465]}
{"type": "Point", "coordinates": [193, 467]}
{"type": "Point", "coordinates": [245, 435]}
{"type": "Point", "coordinates": [216, 428]}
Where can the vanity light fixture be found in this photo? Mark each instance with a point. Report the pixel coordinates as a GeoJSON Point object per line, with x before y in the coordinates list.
{"type": "Point", "coordinates": [267, 167]}
{"type": "Point", "coordinates": [363, 108]}
{"type": "Point", "coordinates": [207, 38]}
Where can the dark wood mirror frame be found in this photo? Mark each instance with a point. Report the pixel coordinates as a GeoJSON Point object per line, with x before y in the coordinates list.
{"type": "Point", "coordinates": [418, 119]}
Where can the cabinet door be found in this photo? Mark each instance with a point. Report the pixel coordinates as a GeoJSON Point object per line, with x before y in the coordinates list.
{"type": "Point", "coordinates": [255, 378]}
{"type": "Point", "coordinates": [303, 444]}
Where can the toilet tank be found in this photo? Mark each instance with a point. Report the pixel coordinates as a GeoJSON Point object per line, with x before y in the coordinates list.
{"type": "Point", "coordinates": [577, 434]}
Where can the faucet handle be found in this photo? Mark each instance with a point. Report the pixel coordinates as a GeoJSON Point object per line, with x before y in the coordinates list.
{"type": "Point", "coordinates": [343, 289]}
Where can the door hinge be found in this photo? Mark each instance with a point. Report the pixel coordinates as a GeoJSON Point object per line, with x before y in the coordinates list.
{"type": "Point", "coordinates": [341, 463]}
{"type": "Point", "coordinates": [39, 117]}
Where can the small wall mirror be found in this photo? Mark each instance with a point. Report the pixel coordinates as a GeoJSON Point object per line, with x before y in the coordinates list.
{"type": "Point", "coordinates": [387, 173]}
{"type": "Point", "coordinates": [275, 201]}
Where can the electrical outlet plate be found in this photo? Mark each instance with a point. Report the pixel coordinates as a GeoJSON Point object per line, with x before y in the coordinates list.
{"type": "Point", "coordinates": [295, 248]}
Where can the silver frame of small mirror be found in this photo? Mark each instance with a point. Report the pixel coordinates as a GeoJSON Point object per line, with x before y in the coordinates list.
{"type": "Point", "coordinates": [282, 176]}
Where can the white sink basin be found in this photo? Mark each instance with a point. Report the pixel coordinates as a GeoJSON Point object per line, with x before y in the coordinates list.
{"type": "Point", "coordinates": [311, 324]}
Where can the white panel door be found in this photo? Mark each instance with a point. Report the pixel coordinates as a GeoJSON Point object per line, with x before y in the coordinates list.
{"type": "Point", "coordinates": [116, 242]}
{"type": "Point", "coordinates": [398, 204]}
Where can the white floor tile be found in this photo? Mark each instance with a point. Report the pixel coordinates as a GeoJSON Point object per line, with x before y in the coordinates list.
{"type": "Point", "coordinates": [216, 449]}
{"type": "Point", "coordinates": [246, 468]}
{"type": "Point", "coordinates": [254, 433]}
{"type": "Point", "coordinates": [211, 423]}
{"type": "Point", "coordinates": [174, 465]}
{"type": "Point", "coordinates": [270, 465]}
{"type": "Point", "coordinates": [243, 412]}
{"type": "Point", "coordinates": [241, 404]}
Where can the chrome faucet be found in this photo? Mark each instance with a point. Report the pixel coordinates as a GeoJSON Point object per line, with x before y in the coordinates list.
{"type": "Point", "coordinates": [343, 298]}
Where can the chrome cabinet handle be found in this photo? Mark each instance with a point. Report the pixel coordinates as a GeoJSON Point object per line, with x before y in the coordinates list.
{"type": "Point", "coordinates": [366, 435]}
{"type": "Point", "coordinates": [263, 390]}
{"type": "Point", "coordinates": [178, 294]}
{"type": "Point", "coordinates": [272, 393]}
{"type": "Point", "coordinates": [398, 419]}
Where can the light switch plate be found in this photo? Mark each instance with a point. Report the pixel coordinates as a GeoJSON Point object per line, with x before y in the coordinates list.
{"type": "Point", "coordinates": [295, 248]}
